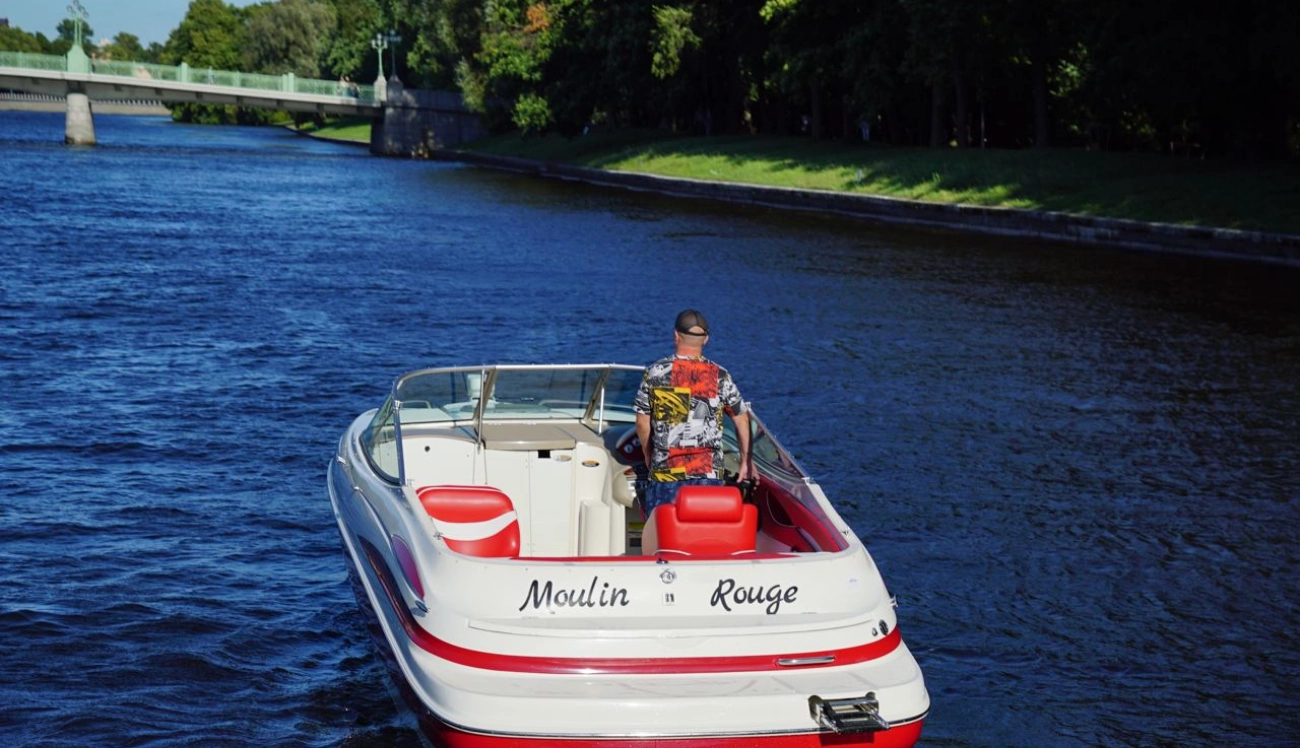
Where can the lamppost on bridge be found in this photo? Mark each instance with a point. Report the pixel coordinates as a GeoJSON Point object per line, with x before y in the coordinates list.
{"type": "Point", "coordinates": [384, 41]}
{"type": "Point", "coordinates": [77, 60]}
{"type": "Point", "coordinates": [381, 42]}
{"type": "Point", "coordinates": [393, 39]}
{"type": "Point", "coordinates": [79, 16]}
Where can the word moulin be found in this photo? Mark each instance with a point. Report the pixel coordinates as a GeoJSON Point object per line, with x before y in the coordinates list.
{"type": "Point", "coordinates": [547, 596]}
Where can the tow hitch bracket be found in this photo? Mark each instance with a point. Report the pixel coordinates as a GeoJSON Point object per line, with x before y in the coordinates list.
{"type": "Point", "coordinates": [853, 714]}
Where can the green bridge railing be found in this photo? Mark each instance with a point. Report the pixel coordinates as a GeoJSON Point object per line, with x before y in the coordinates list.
{"type": "Point", "coordinates": [183, 73]}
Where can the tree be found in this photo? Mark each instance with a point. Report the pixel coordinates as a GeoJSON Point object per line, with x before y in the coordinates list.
{"type": "Point", "coordinates": [672, 41]}
{"type": "Point", "coordinates": [289, 36]}
{"type": "Point", "coordinates": [515, 46]}
{"type": "Point", "coordinates": [804, 53]}
{"type": "Point", "coordinates": [721, 74]}
{"type": "Point", "coordinates": [425, 58]}
{"type": "Point", "coordinates": [1024, 73]}
{"type": "Point", "coordinates": [942, 42]}
{"type": "Point", "coordinates": [458, 25]}
{"type": "Point", "coordinates": [1195, 77]}
{"type": "Point", "coordinates": [349, 53]}
{"type": "Point", "coordinates": [14, 39]}
{"type": "Point", "coordinates": [124, 47]}
{"type": "Point", "coordinates": [210, 36]}
{"type": "Point", "coordinates": [598, 68]}
{"type": "Point", "coordinates": [876, 91]}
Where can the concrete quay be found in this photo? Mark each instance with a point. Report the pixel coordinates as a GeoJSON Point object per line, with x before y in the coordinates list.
{"type": "Point", "coordinates": [1254, 246]}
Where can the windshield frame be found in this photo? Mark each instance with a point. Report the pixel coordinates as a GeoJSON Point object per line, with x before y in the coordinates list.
{"type": "Point", "coordinates": [466, 397]}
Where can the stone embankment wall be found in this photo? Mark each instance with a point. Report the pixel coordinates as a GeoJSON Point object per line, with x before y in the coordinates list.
{"type": "Point", "coordinates": [416, 123]}
{"type": "Point", "coordinates": [1256, 246]}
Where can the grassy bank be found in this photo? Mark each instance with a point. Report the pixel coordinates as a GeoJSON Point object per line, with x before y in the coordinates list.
{"type": "Point", "coordinates": [1143, 187]}
{"type": "Point", "coordinates": [356, 128]}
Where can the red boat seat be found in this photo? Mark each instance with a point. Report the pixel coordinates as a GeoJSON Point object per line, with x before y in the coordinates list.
{"type": "Point", "coordinates": [707, 519]}
{"type": "Point", "coordinates": [474, 520]}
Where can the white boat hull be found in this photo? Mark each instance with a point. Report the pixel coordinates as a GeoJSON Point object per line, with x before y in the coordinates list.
{"type": "Point", "coordinates": [619, 649]}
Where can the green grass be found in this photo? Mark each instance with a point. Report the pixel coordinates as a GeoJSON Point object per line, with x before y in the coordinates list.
{"type": "Point", "coordinates": [353, 128]}
{"type": "Point", "coordinates": [1143, 187]}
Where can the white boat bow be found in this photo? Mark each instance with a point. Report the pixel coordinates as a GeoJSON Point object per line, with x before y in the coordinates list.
{"type": "Point", "coordinates": [488, 514]}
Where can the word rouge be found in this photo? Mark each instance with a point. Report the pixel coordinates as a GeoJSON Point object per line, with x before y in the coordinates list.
{"type": "Point", "coordinates": [727, 594]}
{"type": "Point", "coordinates": [546, 596]}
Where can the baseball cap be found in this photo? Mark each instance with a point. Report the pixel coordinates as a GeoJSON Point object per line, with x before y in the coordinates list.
{"type": "Point", "coordinates": [691, 318]}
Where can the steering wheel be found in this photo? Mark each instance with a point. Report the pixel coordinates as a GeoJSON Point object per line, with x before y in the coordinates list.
{"type": "Point", "coordinates": [628, 448]}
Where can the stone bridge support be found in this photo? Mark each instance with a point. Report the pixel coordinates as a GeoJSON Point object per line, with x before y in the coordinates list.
{"type": "Point", "coordinates": [79, 123]}
{"type": "Point", "coordinates": [416, 122]}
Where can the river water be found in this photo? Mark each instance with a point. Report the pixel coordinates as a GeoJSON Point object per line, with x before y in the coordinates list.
{"type": "Point", "coordinates": [1076, 468]}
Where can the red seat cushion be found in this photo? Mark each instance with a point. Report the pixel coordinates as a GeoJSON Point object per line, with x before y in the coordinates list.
{"type": "Point", "coordinates": [474, 520]}
{"type": "Point", "coordinates": [707, 519]}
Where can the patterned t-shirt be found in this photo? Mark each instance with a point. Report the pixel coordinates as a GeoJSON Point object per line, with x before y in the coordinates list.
{"type": "Point", "coordinates": [685, 399]}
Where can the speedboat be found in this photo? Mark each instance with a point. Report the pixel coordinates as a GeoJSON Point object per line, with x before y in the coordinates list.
{"type": "Point", "coordinates": [489, 517]}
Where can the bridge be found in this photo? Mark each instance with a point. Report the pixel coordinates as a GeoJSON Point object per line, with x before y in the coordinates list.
{"type": "Point", "coordinates": [405, 121]}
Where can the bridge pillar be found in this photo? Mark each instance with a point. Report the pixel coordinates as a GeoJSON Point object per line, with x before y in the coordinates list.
{"type": "Point", "coordinates": [79, 124]}
{"type": "Point", "coordinates": [418, 123]}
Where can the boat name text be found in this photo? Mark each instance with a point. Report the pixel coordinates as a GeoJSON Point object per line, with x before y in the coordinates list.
{"type": "Point", "coordinates": [545, 595]}
{"type": "Point", "coordinates": [728, 593]}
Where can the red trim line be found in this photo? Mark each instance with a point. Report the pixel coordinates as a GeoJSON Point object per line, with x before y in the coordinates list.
{"type": "Point", "coordinates": [665, 555]}
{"type": "Point", "coordinates": [607, 665]}
{"type": "Point", "coordinates": [903, 736]}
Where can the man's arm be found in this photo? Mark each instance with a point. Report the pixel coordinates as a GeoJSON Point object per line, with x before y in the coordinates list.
{"type": "Point", "coordinates": [742, 438]}
{"type": "Point", "coordinates": [643, 433]}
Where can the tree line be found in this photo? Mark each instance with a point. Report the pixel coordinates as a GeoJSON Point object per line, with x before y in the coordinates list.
{"type": "Point", "coordinates": [1191, 76]}
{"type": "Point", "coordinates": [124, 46]}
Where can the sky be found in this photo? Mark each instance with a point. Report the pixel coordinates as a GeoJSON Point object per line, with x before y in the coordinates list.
{"type": "Point", "coordinates": [151, 20]}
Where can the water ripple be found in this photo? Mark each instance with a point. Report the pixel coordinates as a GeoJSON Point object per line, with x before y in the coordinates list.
{"type": "Point", "coordinates": [1077, 470]}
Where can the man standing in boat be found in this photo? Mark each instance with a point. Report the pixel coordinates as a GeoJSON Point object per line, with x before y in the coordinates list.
{"type": "Point", "coordinates": [679, 409]}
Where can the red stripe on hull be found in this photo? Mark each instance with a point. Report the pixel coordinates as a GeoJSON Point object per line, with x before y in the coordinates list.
{"type": "Point", "coordinates": [903, 736]}
{"type": "Point", "coordinates": [447, 736]}
{"type": "Point", "coordinates": [608, 666]}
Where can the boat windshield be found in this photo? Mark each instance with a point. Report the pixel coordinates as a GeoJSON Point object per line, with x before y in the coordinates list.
{"type": "Point", "coordinates": [599, 394]}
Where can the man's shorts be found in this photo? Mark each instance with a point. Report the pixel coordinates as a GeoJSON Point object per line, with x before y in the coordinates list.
{"type": "Point", "coordinates": [658, 493]}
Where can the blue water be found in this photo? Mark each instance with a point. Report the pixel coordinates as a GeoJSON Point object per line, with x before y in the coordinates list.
{"type": "Point", "coordinates": [1077, 468]}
